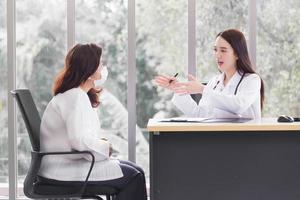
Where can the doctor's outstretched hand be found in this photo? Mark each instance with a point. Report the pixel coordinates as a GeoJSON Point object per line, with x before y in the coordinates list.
{"type": "Point", "coordinates": [167, 82]}
{"type": "Point", "coordinates": [193, 86]}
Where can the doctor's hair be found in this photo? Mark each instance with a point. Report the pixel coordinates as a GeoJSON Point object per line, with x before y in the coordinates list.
{"type": "Point", "coordinates": [81, 62]}
{"type": "Point", "coordinates": [238, 42]}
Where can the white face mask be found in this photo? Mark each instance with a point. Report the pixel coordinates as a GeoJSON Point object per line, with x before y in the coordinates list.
{"type": "Point", "coordinates": [104, 74]}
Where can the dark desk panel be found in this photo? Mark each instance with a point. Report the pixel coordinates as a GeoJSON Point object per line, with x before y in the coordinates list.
{"type": "Point", "coordinates": [216, 165]}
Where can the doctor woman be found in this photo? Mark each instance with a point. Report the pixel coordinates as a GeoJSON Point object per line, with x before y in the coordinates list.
{"type": "Point", "coordinates": [70, 122]}
{"type": "Point", "coordinates": [237, 92]}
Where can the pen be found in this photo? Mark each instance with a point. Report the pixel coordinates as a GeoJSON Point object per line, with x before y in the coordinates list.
{"type": "Point", "coordinates": [170, 81]}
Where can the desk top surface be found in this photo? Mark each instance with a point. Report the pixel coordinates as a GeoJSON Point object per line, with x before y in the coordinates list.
{"type": "Point", "coordinates": [265, 124]}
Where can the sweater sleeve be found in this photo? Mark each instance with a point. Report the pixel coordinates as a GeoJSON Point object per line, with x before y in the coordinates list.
{"type": "Point", "coordinates": [82, 130]}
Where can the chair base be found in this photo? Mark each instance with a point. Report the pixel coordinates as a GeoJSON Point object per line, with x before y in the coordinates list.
{"type": "Point", "coordinates": [108, 197]}
{"type": "Point", "coordinates": [92, 197]}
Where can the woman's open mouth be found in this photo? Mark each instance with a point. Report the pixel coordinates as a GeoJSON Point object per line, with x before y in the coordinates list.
{"type": "Point", "coordinates": [220, 63]}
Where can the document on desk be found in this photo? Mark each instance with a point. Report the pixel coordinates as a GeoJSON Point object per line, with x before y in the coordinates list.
{"type": "Point", "coordinates": [183, 119]}
{"type": "Point", "coordinates": [206, 120]}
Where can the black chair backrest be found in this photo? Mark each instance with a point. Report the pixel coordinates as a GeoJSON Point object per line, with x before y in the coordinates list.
{"type": "Point", "coordinates": [30, 115]}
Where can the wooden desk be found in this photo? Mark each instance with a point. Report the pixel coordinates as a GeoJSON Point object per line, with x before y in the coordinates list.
{"type": "Point", "coordinates": [256, 160]}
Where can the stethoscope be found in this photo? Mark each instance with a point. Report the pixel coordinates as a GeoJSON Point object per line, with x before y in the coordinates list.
{"type": "Point", "coordinates": [236, 86]}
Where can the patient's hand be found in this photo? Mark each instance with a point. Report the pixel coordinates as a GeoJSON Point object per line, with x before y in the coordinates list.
{"type": "Point", "coordinates": [110, 146]}
{"type": "Point", "coordinates": [110, 149]}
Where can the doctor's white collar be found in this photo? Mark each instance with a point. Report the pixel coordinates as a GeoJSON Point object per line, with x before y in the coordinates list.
{"type": "Point", "coordinates": [232, 82]}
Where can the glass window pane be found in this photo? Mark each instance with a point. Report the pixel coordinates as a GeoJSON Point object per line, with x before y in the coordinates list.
{"type": "Point", "coordinates": [213, 17]}
{"type": "Point", "coordinates": [105, 23]}
{"type": "Point", "coordinates": [41, 48]}
{"type": "Point", "coordinates": [278, 57]}
{"type": "Point", "coordinates": [3, 103]}
{"type": "Point", "coordinates": [161, 49]}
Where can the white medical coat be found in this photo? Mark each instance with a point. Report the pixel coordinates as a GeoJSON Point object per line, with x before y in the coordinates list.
{"type": "Point", "coordinates": [221, 101]}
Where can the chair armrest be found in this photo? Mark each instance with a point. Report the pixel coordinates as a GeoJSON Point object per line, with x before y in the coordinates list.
{"type": "Point", "coordinates": [81, 192]}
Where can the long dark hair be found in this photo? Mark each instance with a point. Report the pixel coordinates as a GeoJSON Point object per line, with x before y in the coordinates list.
{"type": "Point", "coordinates": [238, 42]}
{"type": "Point", "coordinates": [81, 62]}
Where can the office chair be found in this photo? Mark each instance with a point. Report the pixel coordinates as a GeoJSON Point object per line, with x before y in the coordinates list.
{"type": "Point", "coordinates": [34, 186]}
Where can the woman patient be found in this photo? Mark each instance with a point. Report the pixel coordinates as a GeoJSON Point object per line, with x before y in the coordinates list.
{"type": "Point", "coordinates": [70, 122]}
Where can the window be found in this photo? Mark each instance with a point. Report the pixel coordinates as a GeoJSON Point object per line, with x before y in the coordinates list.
{"type": "Point", "coordinates": [40, 51]}
{"type": "Point", "coordinates": [161, 49]}
{"type": "Point", "coordinates": [105, 23]}
{"type": "Point", "coordinates": [3, 101]}
{"type": "Point", "coordinates": [278, 58]}
{"type": "Point", "coordinates": [212, 18]}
